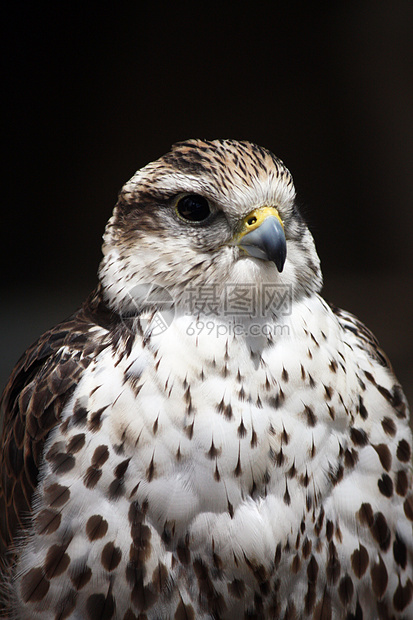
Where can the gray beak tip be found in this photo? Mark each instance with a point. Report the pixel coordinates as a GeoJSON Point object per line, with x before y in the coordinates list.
{"type": "Point", "coordinates": [267, 242]}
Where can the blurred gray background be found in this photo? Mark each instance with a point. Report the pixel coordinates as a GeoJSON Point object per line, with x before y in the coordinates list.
{"type": "Point", "coordinates": [92, 94]}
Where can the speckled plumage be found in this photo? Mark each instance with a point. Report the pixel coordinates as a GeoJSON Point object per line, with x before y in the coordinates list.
{"type": "Point", "coordinates": [203, 473]}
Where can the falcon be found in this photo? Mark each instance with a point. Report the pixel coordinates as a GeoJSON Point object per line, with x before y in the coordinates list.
{"type": "Point", "coordinates": [206, 437]}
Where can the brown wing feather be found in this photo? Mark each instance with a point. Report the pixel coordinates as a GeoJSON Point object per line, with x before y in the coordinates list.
{"type": "Point", "coordinates": [368, 343]}
{"type": "Point", "coordinates": [366, 338]}
{"type": "Point", "coordinates": [40, 385]}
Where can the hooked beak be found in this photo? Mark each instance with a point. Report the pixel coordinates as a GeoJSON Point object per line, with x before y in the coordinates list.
{"type": "Point", "coordinates": [262, 236]}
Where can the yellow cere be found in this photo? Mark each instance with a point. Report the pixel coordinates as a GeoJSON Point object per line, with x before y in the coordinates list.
{"type": "Point", "coordinates": [254, 219]}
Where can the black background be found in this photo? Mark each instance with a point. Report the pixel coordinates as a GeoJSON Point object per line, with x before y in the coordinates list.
{"type": "Point", "coordinates": [94, 91]}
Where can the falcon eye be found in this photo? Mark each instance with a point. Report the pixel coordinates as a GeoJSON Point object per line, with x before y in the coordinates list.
{"type": "Point", "coordinates": [193, 208]}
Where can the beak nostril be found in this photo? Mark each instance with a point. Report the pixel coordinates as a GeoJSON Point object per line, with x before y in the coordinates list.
{"type": "Point", "coordinates": [264, 238]}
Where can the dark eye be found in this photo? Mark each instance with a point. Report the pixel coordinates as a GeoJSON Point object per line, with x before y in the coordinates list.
{"type": "Point", "coordinates": [193, 208]}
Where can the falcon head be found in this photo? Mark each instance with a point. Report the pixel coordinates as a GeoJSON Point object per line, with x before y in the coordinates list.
{"type": "Point", "coordinates": [207, 213]}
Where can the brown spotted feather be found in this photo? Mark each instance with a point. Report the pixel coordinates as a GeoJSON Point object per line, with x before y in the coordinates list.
{"type": "Point", "coordinates": [42, 382]}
